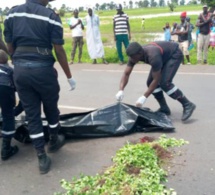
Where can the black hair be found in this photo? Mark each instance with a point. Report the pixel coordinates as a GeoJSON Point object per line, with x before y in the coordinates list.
{"type": "Point", "coordinates": [133, 48]}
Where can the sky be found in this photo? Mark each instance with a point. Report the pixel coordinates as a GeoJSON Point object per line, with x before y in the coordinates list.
{"type": "Point", "coordinates": [58, 3]}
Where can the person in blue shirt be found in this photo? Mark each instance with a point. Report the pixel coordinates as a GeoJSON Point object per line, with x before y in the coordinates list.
{"type": "Point", "coordinates": [167, 32]}
{"type": "Point", "coordinates": [31, 32]}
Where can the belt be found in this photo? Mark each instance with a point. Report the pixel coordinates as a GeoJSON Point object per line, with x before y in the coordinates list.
{"type": "Point", "coordinates": [40, 50]}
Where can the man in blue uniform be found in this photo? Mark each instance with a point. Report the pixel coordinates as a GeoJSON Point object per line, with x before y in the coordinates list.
{"type": "Point", "coordinates": [31, 31]}
{"type": "Point", "coordinates": [164, 58]}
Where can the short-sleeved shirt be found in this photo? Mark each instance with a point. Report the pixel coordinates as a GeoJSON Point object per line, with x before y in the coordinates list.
{"type": "Point", "coordinates": [205, 28]}
{"type": "Point", "coordinates": [121, 24]}
{"type": "Point", "coordinates": [77, 31]}
{"type": "Point", "coordinates": [33, 25]}
{"type": "Point", "coordinates": [157, 54]}
{"type": "Point", "coordinates": [183, 37]}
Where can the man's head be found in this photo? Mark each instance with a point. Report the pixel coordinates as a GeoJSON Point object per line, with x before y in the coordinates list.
{"type": "Point", "coordinates": [205, 8]}
{"type": "Point", "coordinates": [75, 13]}
{"type": "Point", "coordinates": [3, 57]}
{"type": "Point", "coordinates": [90, 12]}
{"type": "Point", "coordinates": [45, 2]}
{"type": "Point", "coordinates": [119, 8]}
{"type": "Point", "coordinates": [183, 16]}
{"type": "Point", "coordinates": [135, 51]}
{"type": "Point", "coordinates": [188, 19]}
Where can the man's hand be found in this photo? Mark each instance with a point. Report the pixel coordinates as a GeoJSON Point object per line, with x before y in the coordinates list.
{"type": "Point", "coordinates": [72, 83]}
{"type": "Point", "coordinates": [119, 95]}
{"type": "Point", "coordinates": [141, 100]}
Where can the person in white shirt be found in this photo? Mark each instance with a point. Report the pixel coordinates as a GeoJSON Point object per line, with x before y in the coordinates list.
{"type": "Point", "coordinates": [77, 28]}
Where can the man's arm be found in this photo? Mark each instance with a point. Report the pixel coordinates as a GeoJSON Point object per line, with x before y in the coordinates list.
{"type": "Point", "coordinates": [114, 30]}
{"type": "Point", "coordinates": [62, 59]}
{"type": "Point", "coordinates": [73, 26]}
{"type": "Point", "coordinates": [125, 77]}
{"type": "Point", "coordinates": [156, 79]}
{"type": "Point", "coordinates": [129, 31]}
{"type": "Point", "coordinates": [3, 46]}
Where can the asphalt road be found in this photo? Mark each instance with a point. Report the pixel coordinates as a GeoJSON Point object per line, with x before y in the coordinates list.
{"type": "Point", "coordinates": [191, 173]}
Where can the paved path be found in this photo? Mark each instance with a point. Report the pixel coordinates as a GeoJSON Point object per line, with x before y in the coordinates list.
{"type": "Point", "coordinates": [192, 173]}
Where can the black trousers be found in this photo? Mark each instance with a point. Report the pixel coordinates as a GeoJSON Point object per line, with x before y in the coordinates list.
{"type": "Point", "coordinates": [7, 103]}
{"type": "Point", "coordinates": [37, 84]}
{"type": "Point", "coordinates": [167, 74]}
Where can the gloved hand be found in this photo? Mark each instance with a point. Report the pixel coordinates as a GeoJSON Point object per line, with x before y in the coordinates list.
{"type": "Point", "coordinates": [141, 100]}
{"type": "Point", "coordinates": [120, 95]}
{"type": "Point", "coordinates": [72, 83]}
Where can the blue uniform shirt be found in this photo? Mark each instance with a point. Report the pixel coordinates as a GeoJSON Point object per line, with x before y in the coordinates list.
{"type": "Point", "coordinates": [33, 25]}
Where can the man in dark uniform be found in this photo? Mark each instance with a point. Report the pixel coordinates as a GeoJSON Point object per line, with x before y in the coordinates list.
{"type": "Point", "coordinates": [164, 58]}
{"type": "Point", "coordinates": [31, 31]}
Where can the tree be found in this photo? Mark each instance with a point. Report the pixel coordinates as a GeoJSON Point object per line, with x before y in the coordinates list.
{"type": "Point", "coordinates": [171, 6]}
{"type": "Point", "coordinates": [174, 2]}
{"type": "Point", "coordinates": [153, 3]}
{"type": "Point", "coordinates": [103, 6]}
{"type": "Point", "coordinates": [130, 4]}
{"type": "Point", "coordinates": [210, 3]}
{"type": "Point", "coordinates": [145, 3]}
{"type": "Point", "coordinates": [161, 3]}
{"type": "Point", "coordinates": [97, 6]}
{"type": "Point", "coordinates": [182, 2]}
{"type": "Point", "coordinates": [49, 6]}
{"type": "Point", "coordinates": [124, 4]}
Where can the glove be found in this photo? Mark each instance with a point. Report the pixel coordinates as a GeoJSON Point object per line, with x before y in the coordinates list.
{"type": "Point", "coordinates": [141, 100]}
{"type": "Point", "coordinates": [119, 95]}
{"type": "Point", "coordinates": [72, 83]}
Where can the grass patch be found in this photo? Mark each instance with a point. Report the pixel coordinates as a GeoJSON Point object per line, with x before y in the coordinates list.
{"type": "Point", "coordinates": [137, 169]}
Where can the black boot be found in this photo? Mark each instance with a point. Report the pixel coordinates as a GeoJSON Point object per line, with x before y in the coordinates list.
{"type": "Point", "coordinates": [164, 108]}
{"type": "Point", "coordinates": [7, 150]}
{"type": "Point", "coordinates": [188, 108]}
{"type": "Point", "coordinates": [55, 143]}
{"type": "Point", "coordinates": [44, 163]}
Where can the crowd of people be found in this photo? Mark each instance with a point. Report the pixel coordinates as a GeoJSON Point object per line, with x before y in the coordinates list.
{"type": "Point", "coordinates": [35, 78]}
{"type": "Point", "coordinates": [182, 33]}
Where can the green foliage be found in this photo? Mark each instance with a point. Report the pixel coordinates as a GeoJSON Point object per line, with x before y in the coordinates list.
{"type": "Point", "coordinates": [136, 170]}
{"type": "Point", "coordinates": [210, 3]}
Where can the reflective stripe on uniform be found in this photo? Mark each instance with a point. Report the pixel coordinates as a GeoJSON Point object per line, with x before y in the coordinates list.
{"type": "Point", "coordinates": [157, 90]}
{"type": "Point", "coordinates": [35, 17]}
{"type": "Point", "coordinates": [8, 132]}
{"type": "Point", "coordinates": [171, 91]}
{"type": "Point", "coordinates": [35, 136]}
{"type": "Point", "coordinates": [53, 126]}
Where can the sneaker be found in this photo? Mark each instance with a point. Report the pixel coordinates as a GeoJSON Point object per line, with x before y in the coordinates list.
{"type": "Point", "coordinates": [188, 63]}
{"type": "Point", "coordinates": [121, 63]}
{"type": "Point", "coordinates": [56, 143]}
{"type": "Point", "coordinates": [44, 163]}
{"type": "Point", "coordinates": [188, 111]}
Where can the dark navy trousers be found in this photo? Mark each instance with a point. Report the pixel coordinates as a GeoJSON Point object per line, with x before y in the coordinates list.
{"type": "Point", "coordinates": [37, 84]}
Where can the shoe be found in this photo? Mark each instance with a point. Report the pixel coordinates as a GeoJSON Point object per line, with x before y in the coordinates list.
{"type": "Point", "coordinates": [6, 154]}
{"type": "Point", "coordinates": [188, 110]}
{"type": "Point", "coordinates": [7, 150]}
{"type": "Point", "coordinates": [94, 62]}
{"type": "Point", "coordinates": [188, 63]}
{"type": "Point", "coordinates": [105, 62]}
{"type": "Point", "coordinates": [199, 62]}
{"type": "Point", "coordinates": [79, 61]}
{"type": "Point", "coordinates": [205, 62]}
{"type": "Point", "coordinates": [121, 63]}
{"type": "Point", "coordinates": [71, 63]}
{"type": "Point", "coordinates": [164, 110]}
{"type": "Point", "coordinates": [44, 163]}
{"type": "Point", "coordinates": [55, 143]}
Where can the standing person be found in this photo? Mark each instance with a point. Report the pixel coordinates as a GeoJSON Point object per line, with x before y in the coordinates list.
{"type": "Point", "coordinates": [204, 24]}
{"type": "Point", "coordinates": [7, 104]}
{"type": "Point", "coordinates": [174, 37]}
{"type": "Point", "coordinates": [183, 37]}
{"type": "Point", "coordinates": [93, 36]}
{"type": "Point", "coordinates": [167, 32]}
{"type": "Point", "coordinates": [143, 24]}
{"type": "Point", "coordinates": [34, 74]}
{"type": "Point", "coordinates": [191, 28]}
{"type": "Point", "coordinates": [77, 28]}
{"type": "Point", "coordinates": [164, 58]}
{"type": "Point", "coordinates": [212, 37]}
{"type": "Point", "coordinates": [121, 30]}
